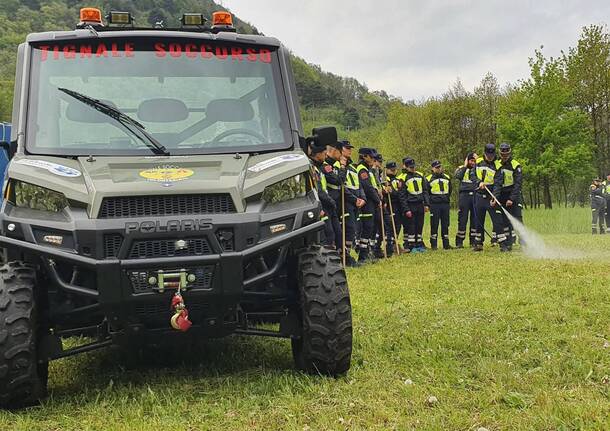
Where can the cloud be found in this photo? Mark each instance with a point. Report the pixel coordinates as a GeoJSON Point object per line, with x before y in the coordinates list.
{"type": "Point", "coordinates": [415, 49]}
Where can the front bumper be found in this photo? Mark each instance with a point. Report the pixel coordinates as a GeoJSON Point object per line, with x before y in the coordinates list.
{"type": "Point", "coordinates": [213, 307]}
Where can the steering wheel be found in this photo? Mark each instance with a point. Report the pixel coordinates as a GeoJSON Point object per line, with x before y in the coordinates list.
{"type": "Point", "coordinates": [248, 132]}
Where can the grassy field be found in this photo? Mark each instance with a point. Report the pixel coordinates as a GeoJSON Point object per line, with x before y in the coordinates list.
{"type": "Point", "coordinates": [501, 341]}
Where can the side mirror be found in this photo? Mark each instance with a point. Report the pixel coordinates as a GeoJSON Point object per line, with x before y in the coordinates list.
{"type": "Point", "coordinates": [10, 148]}
{"type": "Point", "coordinates": [324, 135]}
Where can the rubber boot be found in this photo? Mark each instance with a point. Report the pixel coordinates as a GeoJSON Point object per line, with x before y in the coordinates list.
{"type": "Point", "coordinates": [459, 242]}
{"type": "Point", "coordinates": [433, 243]}
{"type": "Point", "coordinates": [363, 255]}
{"type": "Point", "coordinates": [446, 245]}
{"type": "Point", "coordinates": [350, 261]}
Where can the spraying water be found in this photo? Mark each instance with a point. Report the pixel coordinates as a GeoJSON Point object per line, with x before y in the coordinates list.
{"type": "Point", "coordinates": [534, 246]}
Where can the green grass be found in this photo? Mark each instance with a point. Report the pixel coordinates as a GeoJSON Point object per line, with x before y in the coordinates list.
{"type": "Point", "coordinates": [502, 341]}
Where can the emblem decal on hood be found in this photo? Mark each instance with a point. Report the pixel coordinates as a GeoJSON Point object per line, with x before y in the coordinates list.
{"type": "Point", "coordinates": [166, 174]}
{"type": "Point", "coordinates": [54, 168]}
{"type": "Point", "coordinates": [266, 164]}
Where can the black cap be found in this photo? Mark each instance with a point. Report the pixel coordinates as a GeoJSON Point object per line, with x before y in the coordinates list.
{"type": "Point", "coordinates": [378, 157]}
{"type": "Point", "coordinates": [436, 164]}
{"type": "Point", "coordinates": [365, 151]}
{"type": "Point", "coordinates": [316, 149]}
{"type": "Point", "coordinates": [408, 161]}
{"type": "Point", "coordinates": [490, 149]}
{"type": "Point", "coordinates": [346, 144]}
{"type": "Point", "coordinates": [504, 148]}
{"type": "Point", "coordinates": [470, 156]}
{"type": "Point", "coordinates": [391, 165]}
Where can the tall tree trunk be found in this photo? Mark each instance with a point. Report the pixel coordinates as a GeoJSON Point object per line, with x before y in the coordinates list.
{"type": "Point", "coordinates": [548, 201]}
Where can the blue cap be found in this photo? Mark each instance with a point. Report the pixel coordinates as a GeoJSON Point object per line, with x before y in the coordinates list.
{"type": "Point", "coordinates": [391, 165]}
{"type": "Point", "coordinates": [504, 147]}
{"type": "Point", "coordinates": [365, 151]}
{"type": "Point", "coordinates": [436, 164]}
{"type": "Point", "coordinates": [490, 149]}
{"type": "Point", "coordinates": [408, 162]}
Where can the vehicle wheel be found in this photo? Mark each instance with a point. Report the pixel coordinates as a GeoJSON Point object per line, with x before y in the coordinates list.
{"type": "Point", "coordinates": [325, 344]}
{"type": "Point", "coordinates": [23, 380]}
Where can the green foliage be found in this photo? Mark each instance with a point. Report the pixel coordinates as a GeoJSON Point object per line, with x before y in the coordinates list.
{"type": "Point", "coordinates": [554, 139]}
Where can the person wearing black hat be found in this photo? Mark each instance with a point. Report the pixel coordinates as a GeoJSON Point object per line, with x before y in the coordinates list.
{"type": "Point", "coordinates": [418, 203]}
{"type": "Point", "coordinates": [366, 162]}
{"type": "Point", "coordinates": [466, 202]}
{"type": "Point", "coordinates": [343, 196]}
{"type": "Point", "coordinates": [439, 189]}
{"type": "Point", "coordinates": [509, 179]}
{"type": "Point", "coordinates": [598, 206]}
{"type": "Point", "coordinates": [317, 155]}
{"type": "Point", "coordinates": [483, 176]}
{"type": "Point", "coordinates": [396, 199]}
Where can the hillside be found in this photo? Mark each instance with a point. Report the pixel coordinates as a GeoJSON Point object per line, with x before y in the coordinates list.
{"type": "Point", "coordinates": [325, 97]}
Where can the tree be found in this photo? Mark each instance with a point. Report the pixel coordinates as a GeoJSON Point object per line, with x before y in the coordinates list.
{"type": "Point", "coordinates": [551, 136]}
{"type": "Point", "coordinates": [588, 72]}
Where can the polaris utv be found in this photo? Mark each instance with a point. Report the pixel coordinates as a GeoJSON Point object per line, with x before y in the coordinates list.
{"type": "Point", "coordinates": [158, 188]}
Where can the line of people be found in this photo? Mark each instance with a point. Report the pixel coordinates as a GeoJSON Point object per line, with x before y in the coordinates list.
{"type": "Point", "coordinates": [367, 207]}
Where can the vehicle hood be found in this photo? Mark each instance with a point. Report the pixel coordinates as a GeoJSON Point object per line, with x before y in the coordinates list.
{"type": "Point", "coordinates": [90, 180]}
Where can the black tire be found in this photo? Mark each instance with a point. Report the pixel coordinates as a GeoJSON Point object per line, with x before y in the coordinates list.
{"type": "Point", "coordinates": [325, 344]}
{"type": "Point", "coordinates": [23, 380]}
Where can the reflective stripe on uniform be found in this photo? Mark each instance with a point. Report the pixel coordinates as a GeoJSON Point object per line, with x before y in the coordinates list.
{"type": "Point", "coordinates": [485, 174]}
{"type": "Point", "coordinates": [415, 185]}
{"type": "Point", "coordinates": [439, 186]}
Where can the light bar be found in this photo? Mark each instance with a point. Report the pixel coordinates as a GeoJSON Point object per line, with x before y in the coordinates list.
{"type": "Point", "coordinates": [193, 19]}
{"type": "Point", "coordinates": [119, 18]}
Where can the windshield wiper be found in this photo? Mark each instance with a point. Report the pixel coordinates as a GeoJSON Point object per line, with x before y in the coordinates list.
{"type": "Point", "coordinates": [125, 120]}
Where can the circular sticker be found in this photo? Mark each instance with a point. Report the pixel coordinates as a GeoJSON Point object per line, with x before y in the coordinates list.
{"type": "Point", "coordinates": [166, 174]}
{"type": "Point", "coordinates": [64, 171]}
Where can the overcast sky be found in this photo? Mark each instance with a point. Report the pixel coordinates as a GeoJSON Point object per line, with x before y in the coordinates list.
{"type": "Point", "coordinates": [416, 49]}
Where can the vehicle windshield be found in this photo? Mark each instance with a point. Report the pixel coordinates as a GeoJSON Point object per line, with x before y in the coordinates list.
{"type": "Point", "coordinates": [193, 96]}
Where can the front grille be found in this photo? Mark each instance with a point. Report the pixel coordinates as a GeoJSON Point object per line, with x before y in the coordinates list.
{"type": "Point", "coordinates": [203, 279]}
{"type": "Point", "coordinates": [146, 249]}
{"type": "Point", "coordinates": [170, 205]}
{"type": "Point", "coordinates": [112, 245]}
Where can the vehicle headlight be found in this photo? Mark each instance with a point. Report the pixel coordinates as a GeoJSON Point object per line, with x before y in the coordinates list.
{"type": "Point", "coordinates": [288, 189]}
{"type": "Point", "coordinates": [27, 195]}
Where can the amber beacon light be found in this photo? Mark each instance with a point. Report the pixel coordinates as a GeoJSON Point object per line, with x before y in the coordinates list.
{"type": "Point", "coordinates": [222, 18]}
{"type": "Point", "coordinates": [91, 15]}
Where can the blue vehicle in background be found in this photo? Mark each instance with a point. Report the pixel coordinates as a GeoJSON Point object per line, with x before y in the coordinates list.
{"type": "Point", "coordinates": [5, 136]}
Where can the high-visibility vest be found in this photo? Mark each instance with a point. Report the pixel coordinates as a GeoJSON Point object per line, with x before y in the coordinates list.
{"type": "Point", "coordinates": [509, 179]}
{"type": "Point", "coordinates": [485, 174]}
{"type": "Point", "coordinates": [466, 177]}
{"type": "Point", "coordinates": [439, 186]}
{"type": "Point", "coordinates": [352, 181]}
{"type": "Point", "coordinates": [607, 187]}
{"type": "Point", "coordinates": [415, 185]}
{"type": "Point", "coordinates": [394, 183]}
{"type": "Point", "coordinates": [374, 180]}
{"type": "Point", "coordinates": [321, 177]}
